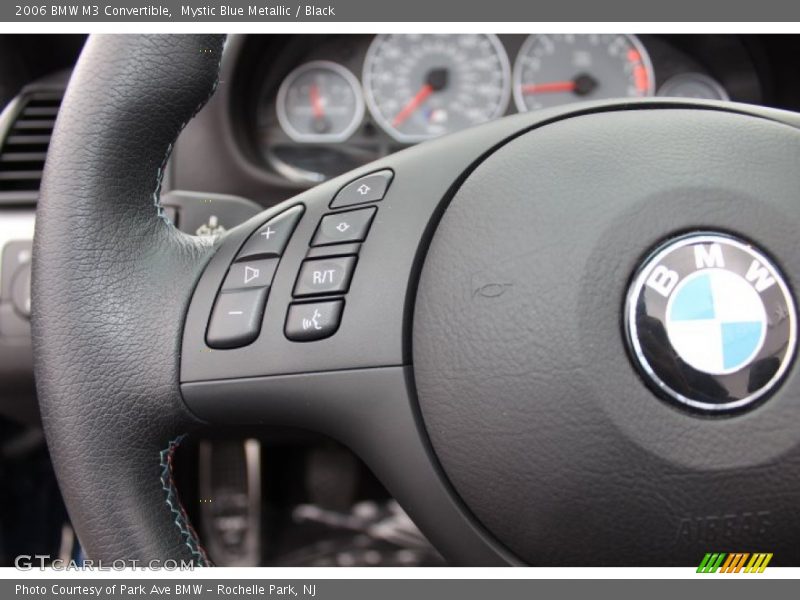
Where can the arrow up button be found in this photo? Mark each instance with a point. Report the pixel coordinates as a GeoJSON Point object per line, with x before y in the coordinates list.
{"type": "Point", "coordinates": [369, 188]}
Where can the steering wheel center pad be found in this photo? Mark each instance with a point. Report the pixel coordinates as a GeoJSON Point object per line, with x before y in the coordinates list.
{"type": "Point", "coordinates": [527, 389]}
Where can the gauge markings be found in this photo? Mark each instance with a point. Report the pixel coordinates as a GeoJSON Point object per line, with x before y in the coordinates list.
{"type": "Point", "coordinates": [320, 102]}
{"type": "Point", "coordinates": [551, 70]}
{"type": "Point", "coordinates": [422, 86]}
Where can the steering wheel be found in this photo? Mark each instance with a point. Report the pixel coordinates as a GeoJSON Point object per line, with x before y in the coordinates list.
{"type": "Point", "coordinates": [480, 318]}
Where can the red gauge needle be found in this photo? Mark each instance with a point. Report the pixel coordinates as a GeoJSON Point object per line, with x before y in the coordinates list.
{"type": "Point", "coordinates": [316, 101]}
{"type": "Point", "coordinates": [547, 88]}
{"type": "Point", "coordinates": [413, 104]}
{"type": "Point", "coordinates": [580, 86]}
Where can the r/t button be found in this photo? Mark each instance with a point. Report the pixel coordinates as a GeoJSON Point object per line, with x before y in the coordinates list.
{"type": "Point", "coordinates": [325, 276]}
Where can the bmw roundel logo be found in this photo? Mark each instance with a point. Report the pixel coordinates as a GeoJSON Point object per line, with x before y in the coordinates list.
{"type": "Point", "coordinates": [711, 322]}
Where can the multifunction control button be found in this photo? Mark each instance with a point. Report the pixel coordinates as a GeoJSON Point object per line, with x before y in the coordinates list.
{"type": "Point", "coordinates": [271, 239]}
{"type": "Point", "coordinates": [350, 226]}
{"type": "Point", "coordinates": [236, 320]}
{"type": "Point", "coordinates": [313, 321]}
{"type": "Point", "coordinates": [369, 188]}
{"type": "Point", "coordinates": [237, 313]}
{"type": "Point", "coordinates": [250, 274]}
{"type": "Point", "coordinates": [325, 276]}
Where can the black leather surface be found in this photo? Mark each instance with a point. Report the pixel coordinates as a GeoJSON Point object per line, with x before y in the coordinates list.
{"type": "Point", "coordinates": [111, 282]}
{"type": "Point", "coordinates": [525, 384]}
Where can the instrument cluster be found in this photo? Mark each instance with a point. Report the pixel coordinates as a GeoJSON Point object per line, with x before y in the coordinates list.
{"type": "Point", "coordinates": [345, 100]}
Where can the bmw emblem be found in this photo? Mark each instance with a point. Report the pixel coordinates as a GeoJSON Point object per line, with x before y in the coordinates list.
{"type": "Point", "coordinates": [711, 322]}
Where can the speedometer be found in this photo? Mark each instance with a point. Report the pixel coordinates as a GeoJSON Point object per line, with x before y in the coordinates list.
{"type": "Point", "coordinates": [422, 86]}
{"type": "Point", "coordinates": [551, 70]}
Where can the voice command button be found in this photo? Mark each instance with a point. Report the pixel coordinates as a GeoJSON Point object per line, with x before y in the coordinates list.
{"type": "Point", "coordinates": [313, 321]}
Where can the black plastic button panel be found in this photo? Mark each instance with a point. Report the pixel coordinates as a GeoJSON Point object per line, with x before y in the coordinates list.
{"type": "Point", "coordinates": [369, 188]}
{"type": "Point", "coordinates": [327, 270]}
{"type": "Point", "coordinates": [344, 227]}
{"type": "Point", "coordinates": [239, 308]}
{"type": "Point", "coordinates": [313, 320]}
{"type": "Point", "coordinates": [331, 259]}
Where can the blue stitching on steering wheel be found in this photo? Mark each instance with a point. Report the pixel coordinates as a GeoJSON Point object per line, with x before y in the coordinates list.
{"type": "Point", "coordinates": [190, 536]}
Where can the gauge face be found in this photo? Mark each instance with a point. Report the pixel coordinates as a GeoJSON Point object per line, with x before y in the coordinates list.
{"type": "Point", "coordinates": [551, 70]}
{"type": "Point", "coordinates": [693, 85]}
{"type": "Point", "coordinates": [423, 86]}
{"type": "Point", "coordinates": [320, 101]}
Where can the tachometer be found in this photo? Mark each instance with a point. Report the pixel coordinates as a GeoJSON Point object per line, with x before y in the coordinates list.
{"type": "Point", "coordinates": [320, 101]}
{"type": "Point", "coordinates": [422, 86]}
{"type": "Point", "coordinates": [551, 70]}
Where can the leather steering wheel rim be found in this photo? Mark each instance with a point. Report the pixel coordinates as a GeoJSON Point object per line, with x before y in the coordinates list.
{"type": "Point", "coordinates": [108, 270]}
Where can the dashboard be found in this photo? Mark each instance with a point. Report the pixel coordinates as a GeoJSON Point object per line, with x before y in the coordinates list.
{"type": "Point", "coordinates": [332, 103]}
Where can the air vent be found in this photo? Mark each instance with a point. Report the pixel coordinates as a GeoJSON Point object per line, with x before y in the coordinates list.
{"type": "Point", "coordinates": [24, 148]}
